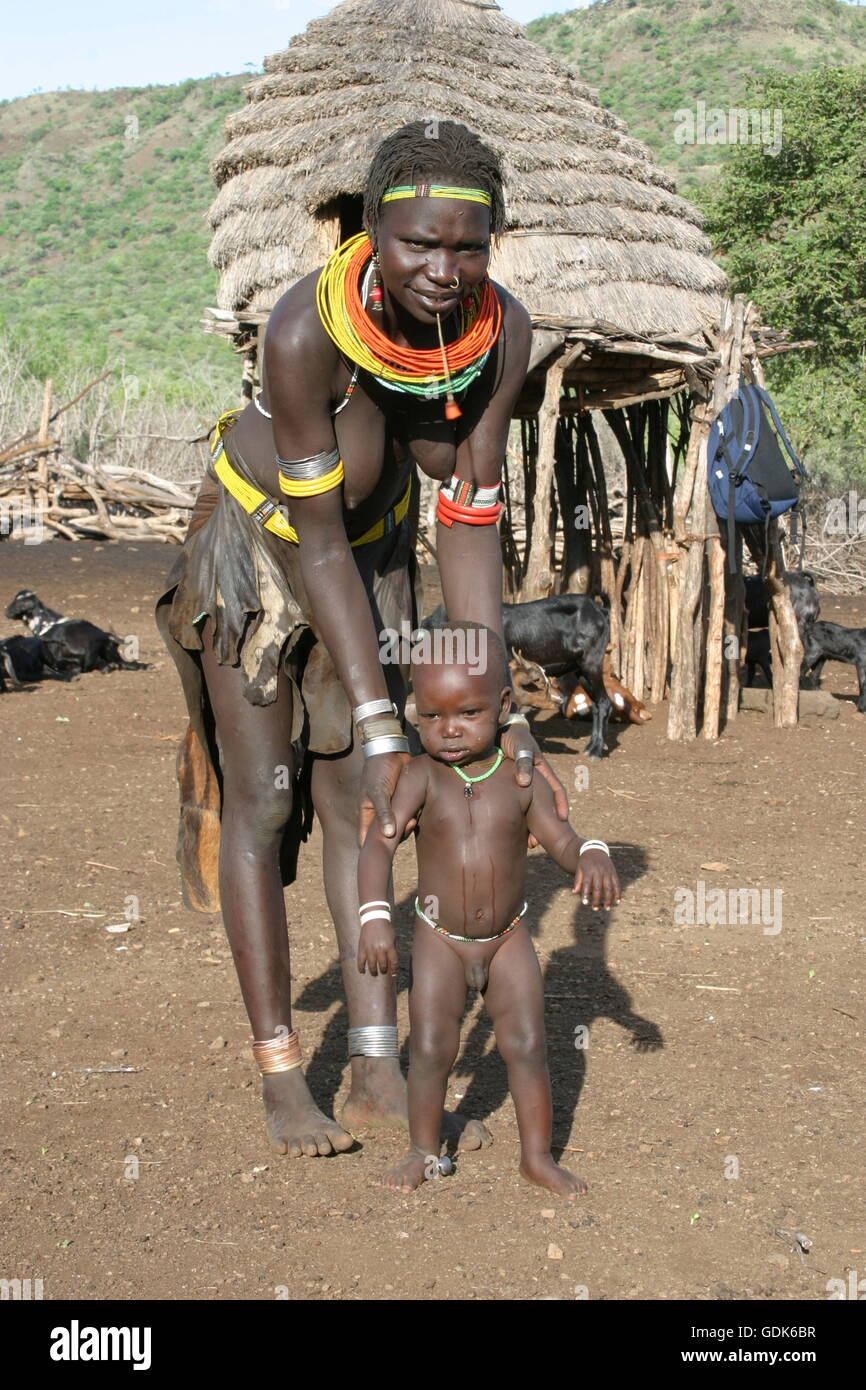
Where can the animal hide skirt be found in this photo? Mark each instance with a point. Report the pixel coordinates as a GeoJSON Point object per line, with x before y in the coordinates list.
{"type": "Point", "coordinates": [248, 581]}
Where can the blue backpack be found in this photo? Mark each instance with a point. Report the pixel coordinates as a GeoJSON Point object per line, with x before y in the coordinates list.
{"type": "Point", "coordinates": [748, 476]}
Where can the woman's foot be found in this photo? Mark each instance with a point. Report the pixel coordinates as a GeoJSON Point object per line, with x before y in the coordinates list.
{"type": "Point", "coordinates": [545, 1172]}
{"type": "Point", "coordinates": [296, 1125]}
{"type": "Point", "coordinates": [377, 1099]}
{"type": "Point", "coordinates": [465, 1135]}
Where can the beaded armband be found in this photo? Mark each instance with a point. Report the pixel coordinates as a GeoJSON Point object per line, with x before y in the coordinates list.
{"type": "Point", "coordinates": [460, 500]}
{"type": "Point", "coordinates": [309, 476]}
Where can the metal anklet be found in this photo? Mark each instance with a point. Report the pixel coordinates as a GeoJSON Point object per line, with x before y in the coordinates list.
{"type": "Point", "coordinates": [281, 1053]}
{"type": "Point", "coordinates": [374, 1040]}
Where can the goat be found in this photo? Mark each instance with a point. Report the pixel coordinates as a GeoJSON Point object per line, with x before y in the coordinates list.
{"type": "Point", "coordinates": [73, 644]}
{"type": "Point", "coordinates": [830, 642]}
{"type": "Point", "coordinates": [27, 659]}
{"type": "Point", "coordinates": [565, 634]}
{"type": "Point", "coordinates": [806, 605]}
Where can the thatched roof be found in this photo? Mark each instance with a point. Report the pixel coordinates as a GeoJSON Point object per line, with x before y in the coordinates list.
{"type": "Point", "coordinates": [596, 228]}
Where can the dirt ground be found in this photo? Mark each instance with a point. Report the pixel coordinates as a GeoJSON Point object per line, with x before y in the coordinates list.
{"type": "Point", "coordinates": [719, 1097]}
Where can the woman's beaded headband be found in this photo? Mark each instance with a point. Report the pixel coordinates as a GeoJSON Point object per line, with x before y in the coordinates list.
{"type": "Point", "coordinates": [436, 190]}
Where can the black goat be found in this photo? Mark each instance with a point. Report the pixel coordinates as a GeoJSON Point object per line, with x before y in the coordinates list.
{"type": "Point", "coordinates": [26, 659]}
{"type": "Point", "coordinates": [565, 634]}
{"type": "Point", "coordinates": [73, 644]}
{"type": "Point", "coordinates": [806, 604]}
{"type": "Point", "coordinates": [830, 642]}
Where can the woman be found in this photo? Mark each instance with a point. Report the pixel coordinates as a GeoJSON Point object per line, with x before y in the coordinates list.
{"type": "Point", "coordinates": [277, 610]}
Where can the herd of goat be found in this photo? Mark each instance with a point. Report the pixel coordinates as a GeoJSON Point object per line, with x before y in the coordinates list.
{"type": "Point", "coordinates": [558, 649]}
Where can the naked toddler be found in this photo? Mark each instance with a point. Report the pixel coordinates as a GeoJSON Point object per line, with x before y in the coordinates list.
{"type": "Point", "coordinates": [472, 820]}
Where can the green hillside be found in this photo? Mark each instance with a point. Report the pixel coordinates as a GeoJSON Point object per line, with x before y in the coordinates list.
{"type": "Point", "coordinates": [650, 58]}
{"type": "Point", "coordinates": [103, 195]}
{"type": "Point", "coordinates": [103, 240]}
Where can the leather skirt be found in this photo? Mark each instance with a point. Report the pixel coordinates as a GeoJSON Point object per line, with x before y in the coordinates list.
{"type": "Point", "coordinates": [248, 581]}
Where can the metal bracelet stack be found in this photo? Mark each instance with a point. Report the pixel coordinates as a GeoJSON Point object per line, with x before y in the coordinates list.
{"type": "Point", "coordinates": [396, 743]}
{"type": "Point", "coordinates": [373, 707]}
{"type": "Point", "coordinates": [309, 468]}
{"type": "Point", "coordinates": [282, 1053]}
{"type": "Point", "coordinates": [374, 1040]}
{"type": "Point", "coordinates": [385, 735]}
{"type": "Point", "coordinates": [594, 844]}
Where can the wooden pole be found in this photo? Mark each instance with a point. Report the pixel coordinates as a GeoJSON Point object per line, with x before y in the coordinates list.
{"type": "Point", "coordinates": [42, 466]}
{"type": "Point", "coordinates": [538, 581]}
{"type": "Point", "coordinates": [640, 626]}
{"type": "Point", "coordinates": [571, 486]}
{"type": "Point", "coordinates": [785, 644]}
{"type": "Point", "coordinates": [691, 527]}
{"type": "Point", "coordinates": [605, 541]}
{"type": "Point", "coordinates": [715, 638]}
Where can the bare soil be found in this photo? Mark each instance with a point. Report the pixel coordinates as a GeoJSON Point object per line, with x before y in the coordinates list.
{"type": "Point", "coordinates": [719, 1098]}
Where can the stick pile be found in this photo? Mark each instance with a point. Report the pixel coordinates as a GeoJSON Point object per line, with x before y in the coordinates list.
{"type": "Point", "coordinates": [43, 485]}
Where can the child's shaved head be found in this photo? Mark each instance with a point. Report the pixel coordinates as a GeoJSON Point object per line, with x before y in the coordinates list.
{"type": "Point", "coordinates": [465, 643]}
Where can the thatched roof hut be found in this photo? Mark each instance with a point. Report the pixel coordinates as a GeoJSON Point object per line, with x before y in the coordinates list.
{"type": "Point", "coordinates": [596, 228]}
{"type": "Point", "coordinates": [630, 315]}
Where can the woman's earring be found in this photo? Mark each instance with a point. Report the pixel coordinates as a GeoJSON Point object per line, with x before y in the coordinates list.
{"type": "Point", "coordinates": [376, 291]}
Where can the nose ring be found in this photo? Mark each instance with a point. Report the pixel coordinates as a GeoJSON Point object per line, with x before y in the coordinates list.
{"type": "Point", "coordinates": [456, 284]}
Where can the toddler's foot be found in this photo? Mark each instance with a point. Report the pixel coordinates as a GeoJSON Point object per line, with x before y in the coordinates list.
{"type": "Point", "coordinates": [545, 1172]}
{"type": "Point", "coordinates": [411, 1171]}
{"type": "Point", "coordinates": [295, 1123]}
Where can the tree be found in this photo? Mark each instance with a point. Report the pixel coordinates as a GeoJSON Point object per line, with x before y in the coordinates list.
{"type": "Point", "coordinates": [790, 230]}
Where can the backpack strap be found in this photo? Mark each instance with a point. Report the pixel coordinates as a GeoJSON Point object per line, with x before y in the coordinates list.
{"type": "Point", "coordinates": [793, 524]}
{"type": "Point", "coordinates": [768, 402]}
{"type": "Point", "coordinates": [732, 504]}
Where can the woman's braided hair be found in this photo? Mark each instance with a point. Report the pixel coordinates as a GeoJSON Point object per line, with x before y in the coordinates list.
{"type": "Point", "coordinates": [425, 151]}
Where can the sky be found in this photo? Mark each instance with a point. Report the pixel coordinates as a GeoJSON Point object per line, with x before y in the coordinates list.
{"type": "Point", "coordinates": [54, 44]}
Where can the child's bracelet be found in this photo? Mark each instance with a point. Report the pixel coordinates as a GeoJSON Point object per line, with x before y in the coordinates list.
{"type": "Point", "coordinates": [594, 844]}
{"type": "Point", "coordinates": [377, 908]}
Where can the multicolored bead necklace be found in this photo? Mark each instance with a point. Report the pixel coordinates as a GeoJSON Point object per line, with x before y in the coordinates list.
{"type": "Point", "coordinates": [428, 373]}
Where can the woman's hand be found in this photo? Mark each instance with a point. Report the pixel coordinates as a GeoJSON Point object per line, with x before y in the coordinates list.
{"type": "Point", "coordinates": [517, 742]}
{"type": "Point", "coordinates": [378, 781]}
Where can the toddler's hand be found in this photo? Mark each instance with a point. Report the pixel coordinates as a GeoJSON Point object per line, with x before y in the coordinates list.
{"type": "Point", "coordinates": [377, 948]}
{"type": "Point", "coordinates": [596, 880]}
